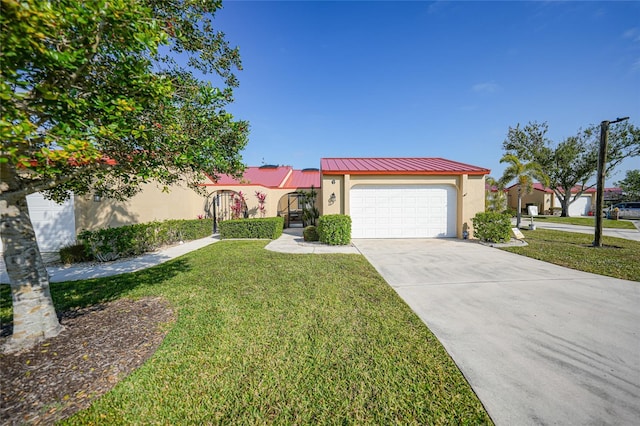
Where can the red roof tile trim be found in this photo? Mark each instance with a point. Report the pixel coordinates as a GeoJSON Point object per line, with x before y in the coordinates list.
{"type": "Point", "coordinates": [539, 187]}
{"type": "Point", "coordinates": [271, 177]}
{"type": "Point", "coordinates": [398, 166]}
{"type": "Point", "coordinates": [303, 179]}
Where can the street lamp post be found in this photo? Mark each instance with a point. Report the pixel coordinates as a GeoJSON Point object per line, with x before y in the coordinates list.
{"type": "Point", "coordinates": [602, 160]}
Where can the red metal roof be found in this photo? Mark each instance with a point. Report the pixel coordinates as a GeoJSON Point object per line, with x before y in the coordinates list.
{"type": "Point", "coordinates": [539, 187]}
{"type": "Point", "coordinates": [273, 177]}
{"type": "Point", "coordinates": [304, 179]}
{"type": "Point", "coordinates": [398, 166]}
{"type": "Point", "coordinates": [269, 177]}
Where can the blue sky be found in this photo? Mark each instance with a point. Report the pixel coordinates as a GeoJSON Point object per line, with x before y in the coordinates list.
{"type": "Point", "coordinates": [427, 79]}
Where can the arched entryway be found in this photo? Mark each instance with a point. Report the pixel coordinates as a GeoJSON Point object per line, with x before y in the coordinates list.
{"type": "Point", "coordinates": [290, 207]}
{"type": "Point", "coordinates": [298, 208]}
{"type": "Point", "coordinates": [225, 205]}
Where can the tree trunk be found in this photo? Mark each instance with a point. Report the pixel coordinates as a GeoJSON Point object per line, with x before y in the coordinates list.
{"type": "Point", "coordinates": [34, 316]}
{"type": "Point", "coordinates": [564, 202]}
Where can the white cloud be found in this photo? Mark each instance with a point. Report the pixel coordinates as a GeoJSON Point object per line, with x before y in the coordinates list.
{"type": "Point", "coordinates": [487, 87]}
{"type": "Point", "coordinates": [633, 34]}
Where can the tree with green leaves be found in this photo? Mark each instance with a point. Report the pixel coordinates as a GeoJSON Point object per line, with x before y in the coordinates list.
{"type": "Point", "coordinates": [94, 101]}
{"type": "Point", "coordinates": [571, 165]}
{"type": "Point", "coordinates": [524, 175]}
{"type": "Point", "coordinates": [495, 199]}
{"type": "Point", "coordinates": [630, 185]}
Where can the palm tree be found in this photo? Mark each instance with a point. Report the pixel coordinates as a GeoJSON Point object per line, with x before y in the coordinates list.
{"type": "Point", "coordinates": [494, 198]}
{"type": "Point", "coordinates": [524, 174]}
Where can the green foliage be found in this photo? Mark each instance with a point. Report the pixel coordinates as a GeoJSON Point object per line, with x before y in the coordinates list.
{"type": "Point", "coordinates": [132, 240]}
{"type": "Point", "coordinates": [492, 226]}
{"type": "Point", "coordinates": [74, 253]}
{"type": "Point", "coordinates": [617, 258]}
{"type": "Point", "coordinates": [310, 233]}
{"type": "Point", "coordinates": [258, 339]}
{"type": "Point", "coordinates": [574, 161]}
{"type": "Point", "coordinates": [310, 212]}
{"type": "Point", "coordinates": [495, 198]}
{"type": "Point", "coordinates": [630, 185]}
{"type": "Point", "coordinates": [334, 229]}
{"type": "Point", "coordinates": [269, 227]}
{"type": "Point", "coordinates": [92, 99]}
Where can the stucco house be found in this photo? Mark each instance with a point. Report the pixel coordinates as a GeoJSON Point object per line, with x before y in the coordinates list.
{"type": "Point", "coordinates": [386, 198]}
{"type": "Point", "coordinates": [282, 187]}
{"type": "Point", "coordinates": [403, 197]}
{"type": "Point", "coordinates": [548, 203]}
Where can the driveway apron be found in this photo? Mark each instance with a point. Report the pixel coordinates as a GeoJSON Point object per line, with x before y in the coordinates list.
{"type": "Point", "coordinates": [539, 343]}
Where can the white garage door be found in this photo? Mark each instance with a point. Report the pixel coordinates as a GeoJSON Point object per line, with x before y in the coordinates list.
{"type": "Point", "coordinates": [579, 207]}
{"type": "Point", "coordinates": [54, 224]}
{"type": "Point", "coordinates": [403, 211]}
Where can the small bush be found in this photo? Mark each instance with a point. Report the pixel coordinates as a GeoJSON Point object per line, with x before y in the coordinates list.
{"type": "Point", "coordinates": [492, 226]}
{"type": "Point", "coordinates": [511, 212]}
{"type": "Point", "coordinates": [334, 229]}
{"type": "Point", "coordinates": [132, 240]}
{"type": "Point", "coordinates": [74, 254]}
{"type": "Point", "coordinates": [310, 233]}
{"type": "Point", "coordinates": [269, 227]}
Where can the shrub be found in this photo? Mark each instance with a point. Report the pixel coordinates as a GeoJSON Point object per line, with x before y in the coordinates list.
{"type": "Point", "coordinates": [334, 229]}
{"type": "Point", "coordinates": [511, 212]}
{"type": "Point", "coordinates": [310, 233]}
{"type": "Point", "coordinates": [132, 240]}
{"type": "Point", "coordinates": [74, 253]}
{"type": "Point", "coordinates": [492, 226]}
{"type": "Point", "coordinates": [269, 227]}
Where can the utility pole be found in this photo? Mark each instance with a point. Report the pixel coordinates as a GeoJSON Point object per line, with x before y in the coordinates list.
{"type": "Point", "coordinates": [602, 162]}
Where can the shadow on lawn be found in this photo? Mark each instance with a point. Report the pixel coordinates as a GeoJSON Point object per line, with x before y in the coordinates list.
{"type": "Point", "coordinates": [71, 295]}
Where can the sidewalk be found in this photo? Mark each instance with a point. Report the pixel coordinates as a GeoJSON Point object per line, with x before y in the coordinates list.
{"type": "Point", "coordinates": [627, 234]}
{"type": "Point", "coordinates": [107, 269]}
{"type": "Point", "coordinates": [291, 241]}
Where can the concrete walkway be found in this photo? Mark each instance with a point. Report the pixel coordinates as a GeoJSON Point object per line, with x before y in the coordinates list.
{"type": "Point", "coordinates": [539, 343]}
{"type": "Point", "coordinates": [107, 269]}
{"type": "Point", "coordinates": [291, 241]}
{"type": "Point", "coordinates": [627, 234]}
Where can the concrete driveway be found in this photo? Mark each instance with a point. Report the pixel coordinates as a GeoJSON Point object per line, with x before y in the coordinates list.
{"type": "Point", "coordinates": [539, 344]}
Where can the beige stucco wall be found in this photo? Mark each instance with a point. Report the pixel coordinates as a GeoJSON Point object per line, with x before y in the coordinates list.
{"type": "Point", "coordinates": [275, 203]}
{"type": "Point", "coordinates": [541, 199]}
{"type": "Point", "coordinates": [148, 205]}
{"type": "Point", "coordinates": [469, 190]}
{"type": "Point", "coordinates": [544, 200]}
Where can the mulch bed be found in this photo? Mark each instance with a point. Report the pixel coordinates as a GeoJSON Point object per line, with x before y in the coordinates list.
{"type": "Point", "coordinates": [100, 346]}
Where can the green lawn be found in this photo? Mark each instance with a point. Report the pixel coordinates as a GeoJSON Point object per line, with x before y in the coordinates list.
{"type": "Point", "coordinates": [583, 221]}
{"type": "Point", "coordinates": [618, 258]}
{"type": "Point", "coordinates": [264, 337]}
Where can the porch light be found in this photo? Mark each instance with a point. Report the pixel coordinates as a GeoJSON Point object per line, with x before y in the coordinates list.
{"type": "Point", "coordinates": [332, 197]}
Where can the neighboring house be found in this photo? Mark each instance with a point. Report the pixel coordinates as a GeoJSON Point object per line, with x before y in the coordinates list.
{"type": "Point", "coordinates": [403, 197]}
{"type": "Point", "coordinates": [548, 203]}
{"type": "Point", "coordinates": [612, 195]}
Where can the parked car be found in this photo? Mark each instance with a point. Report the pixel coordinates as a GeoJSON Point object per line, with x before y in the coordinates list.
{"type": "Point", "coordinates": [627, 210]}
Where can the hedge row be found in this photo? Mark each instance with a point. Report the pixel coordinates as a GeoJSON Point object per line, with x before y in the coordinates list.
{"type": "Point", "coordinates": [268, 227]}
{"type": "Point", "coordinates": [132, 240]}
{"type": "Point", "coordinates": [334, 229]}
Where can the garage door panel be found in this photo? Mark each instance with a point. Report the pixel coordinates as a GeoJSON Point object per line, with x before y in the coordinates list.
{"type": "Point", "coordinates": [403, 211]}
